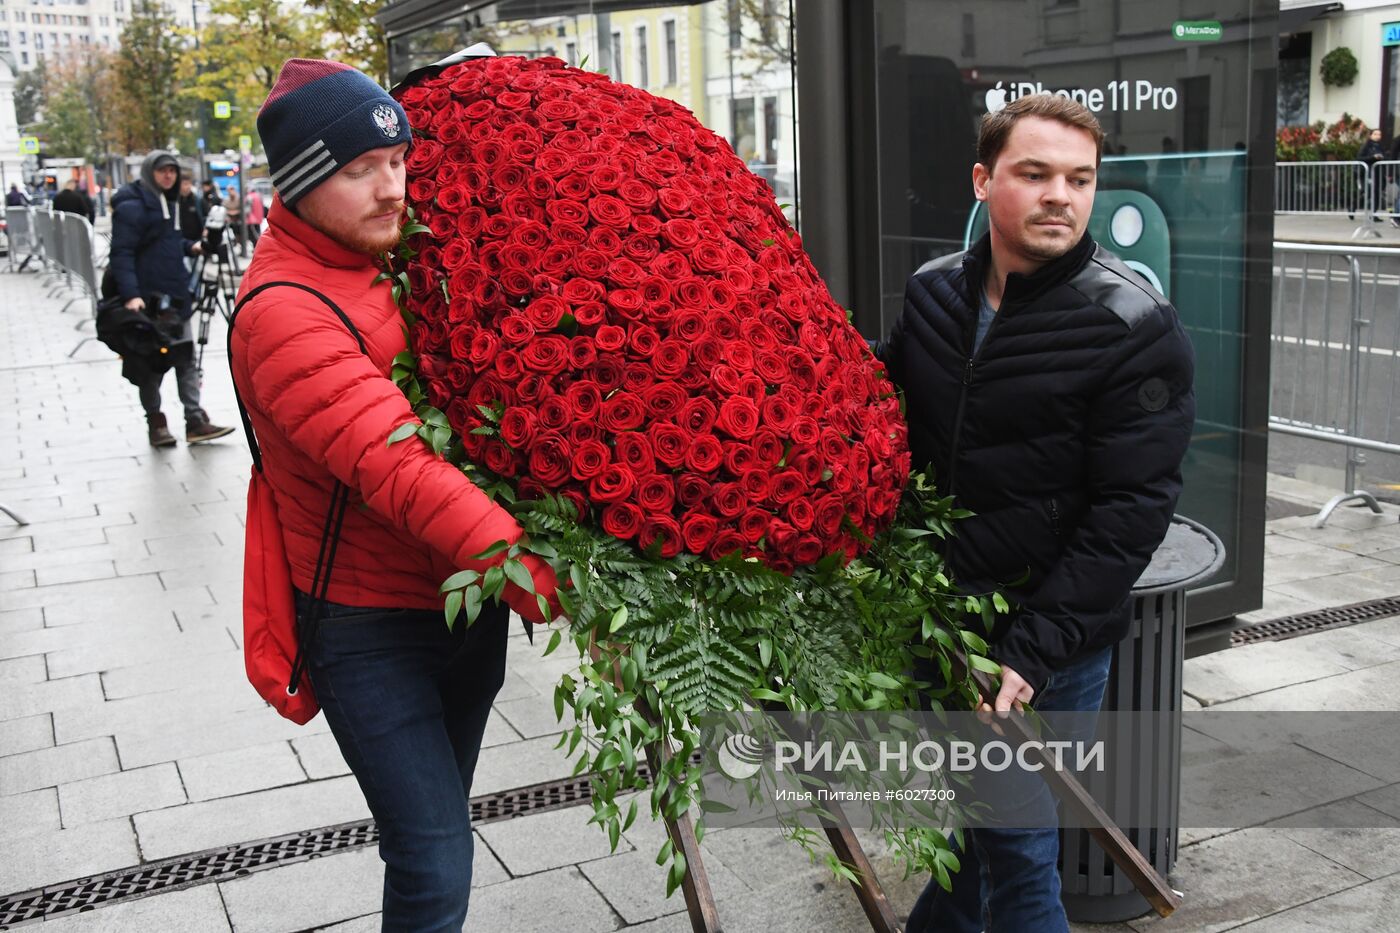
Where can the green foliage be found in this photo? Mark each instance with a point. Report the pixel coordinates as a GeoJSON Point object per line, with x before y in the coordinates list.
{"type": "Point", "coordinates": [148, 63]}
{"type": "Point", "coordinates": [1338, 67]}
{"type": "Point", "coordinates": [29, 93]}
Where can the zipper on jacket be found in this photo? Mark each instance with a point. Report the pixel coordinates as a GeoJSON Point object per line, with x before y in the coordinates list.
{"type": "Point", "coordinates": [1054, 518]}
{"type": "Point", "coordinates": [968, 370]}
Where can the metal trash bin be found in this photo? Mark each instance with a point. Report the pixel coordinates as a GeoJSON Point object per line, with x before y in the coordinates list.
{"type": "Point", "coordinates": [1145, 676]}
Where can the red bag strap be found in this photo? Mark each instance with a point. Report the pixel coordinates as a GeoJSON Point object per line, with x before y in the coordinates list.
{"type": "Point", "coordinates": [340, 496]}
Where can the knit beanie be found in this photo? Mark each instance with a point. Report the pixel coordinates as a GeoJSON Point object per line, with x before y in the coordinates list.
{"type": "Point", "coordinates": [320, 116]}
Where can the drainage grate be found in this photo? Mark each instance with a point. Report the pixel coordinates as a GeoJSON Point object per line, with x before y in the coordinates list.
{"type": "Point", "coordinates": [222, 864]}
{"type": "Point", "coordinates": [1319, 621]}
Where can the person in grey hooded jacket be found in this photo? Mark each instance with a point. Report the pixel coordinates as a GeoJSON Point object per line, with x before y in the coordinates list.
{"type": "Point", "coordinates": [148, 271]}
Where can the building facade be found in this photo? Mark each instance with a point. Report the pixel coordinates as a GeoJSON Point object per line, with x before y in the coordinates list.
{"type": "Point", "coordinates": [1309, 32]}
{"type": "Point", "coordinates": [33, 30]}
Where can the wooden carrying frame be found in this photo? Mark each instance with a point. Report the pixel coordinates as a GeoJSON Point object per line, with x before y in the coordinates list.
{"type": "Point", "coordinates": [700, 898]}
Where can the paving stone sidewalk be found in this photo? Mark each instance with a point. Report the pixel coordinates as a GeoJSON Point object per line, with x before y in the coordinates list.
{"type": "Point", "coordinates": [128, 733]}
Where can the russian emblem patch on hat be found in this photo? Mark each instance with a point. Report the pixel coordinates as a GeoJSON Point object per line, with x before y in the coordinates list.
{"type": "Point", "coordinates": [387, 120]}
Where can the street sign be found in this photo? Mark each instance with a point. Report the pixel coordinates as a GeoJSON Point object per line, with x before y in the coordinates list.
{"type": "Point", "coordinates": [1197, 30]}
{"type": "Point", "coordinates": [222, 110]}
{"type": "Point", "coordinates": [245, 144]}
{"type": "Point", "coordinates": [199, 143]}
{"type": "Point", "coordinates": [29, 145]}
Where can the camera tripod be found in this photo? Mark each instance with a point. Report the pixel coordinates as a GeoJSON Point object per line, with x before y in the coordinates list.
{"type": "Point", "coordinates": [215, 288]}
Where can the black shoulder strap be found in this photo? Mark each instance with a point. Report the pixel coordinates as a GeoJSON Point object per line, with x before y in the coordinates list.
{"type": "Point", "coordinates": [340, 497]}
{"type": "Point", "coordinates": [242, 409]}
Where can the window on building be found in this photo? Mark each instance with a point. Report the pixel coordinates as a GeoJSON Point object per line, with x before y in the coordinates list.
{"type": "Point", "coordinates": [4, 39]}
{"type": "Point", "coordinates": [38, 40]}
{"type": "Point", "coordinates": [571, 53]}
{"type": "Point", "coordinates": [736, 34]}
{"type": "Point", "coordinates": [643, 66]}
{"type": "Point", "coordinates": [617, 56]}
{"type": "Point", "coordinates": [24, 58]}
{"type": "Point", "coordinates": [23, 37]}
{"type": "Point", "coordinates": [562, 32]}
{"type": "Point", "coordinates": [672, 65]}
{"type": "Point", "coordinates": [969, 36]}
{"type": "Point", "coordinates": [742, 128]}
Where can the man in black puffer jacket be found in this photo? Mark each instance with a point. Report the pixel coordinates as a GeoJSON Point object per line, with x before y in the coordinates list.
{"type": "Point", "coordinates": [147, 264]}
{"type": "Point", "coordinates": [1050, 387]}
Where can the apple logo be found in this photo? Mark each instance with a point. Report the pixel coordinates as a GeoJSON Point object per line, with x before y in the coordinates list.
{"type": "Point", "coordinates": [996, 98]}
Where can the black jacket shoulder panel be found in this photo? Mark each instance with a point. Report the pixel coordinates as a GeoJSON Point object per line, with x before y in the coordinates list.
{"type": "Point", "coordinates": [1111, 285]}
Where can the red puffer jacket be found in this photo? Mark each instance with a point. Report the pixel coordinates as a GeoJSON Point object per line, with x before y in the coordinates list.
{"type": "Point", "coordinates": [323, 411]}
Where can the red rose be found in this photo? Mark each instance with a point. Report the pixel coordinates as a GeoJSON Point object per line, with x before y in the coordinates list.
{"type": "Point", "coordinates": [622, 411]}
{"type": "Point", "coordinates": [610, 338]}
{"type": "Point", "coordinates": [633, 450]}
{"type": "Point", "coordinates": [518, 427]}
{"type": "Point", "coordinates": [585, 400]}
{"type": "Point", "coordinates": [757, 484]}
{"type": "Point", "coordinates": [728, 499]}
{"type": "Point", "coordinates": [698, 416]}
{"type": "Point", "coordinates": [788, 485]}
{"type": "Point", "coordinates": [609, 210]}
{"type": "Point", "coordinates": [753, 524]}
{"type": "Point", "coordinates": [828, 514]}
{"type": "Point", "coordinates": [588, 313]}
{"type": "Point", "coordinates": [726, 543]}
{"type": "Point", "coordinates": [664, 400]}
{"type": "Point", "coordinates": [549, 459]}
{"type": "Point", "coordinates": [670, 358]}
{"type": "Point", "coordinates": [554, 414]}
{"type": "Point", "coordinates": [656, 494]}
{"type": "Point", "coordinates": [808, 550]}
{"type": "Point", "coordinates": [682, 234]}
{"type": "Point", "coordinates": [664, 529]}
{"type": "Point", "coordinates": [517, 330]}
{"type": "Point", "coordinates": [546, 312]}
{"type": "Point", "coordinates": [548, 354]}
{"type": "Point", "coordinates": [691, 490]}
{"type": "Point", "coordinates": [627, 302]}
{"type": "Point", "coordinates": [697, 531]}
{"type": "Point", "coordinates": [622, 520]}
{"type": "Point", "coordinates": [613, 484]}
{"type": "Point", "coordinates": [738, 417]}
{"type": "Point", "coordinates": [588, 460]}
{"type": "Point", "coordinates": [583, 352]}
{"type": "Point", "coordinates": [669, 442]}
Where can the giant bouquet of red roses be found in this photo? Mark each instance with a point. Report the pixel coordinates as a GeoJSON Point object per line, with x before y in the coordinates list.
{"type": "Point", "coordinates": [613, 308]}
{"type": "Point", "coordinates": [616, 331]}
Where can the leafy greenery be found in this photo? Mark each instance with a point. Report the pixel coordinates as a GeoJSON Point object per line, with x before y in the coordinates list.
{"type": "Point", "coordinates": [148, 64]}
{"type": "Point", "coordinates": [1339, 67]}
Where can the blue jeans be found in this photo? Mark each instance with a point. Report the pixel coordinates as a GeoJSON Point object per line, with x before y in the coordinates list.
{"type": "Point", "coordinates": [1008, 879]}
{"type": "Point", "coordinates": [407, 702]}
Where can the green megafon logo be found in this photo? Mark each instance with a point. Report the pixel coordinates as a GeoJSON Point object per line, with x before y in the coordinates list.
{"type": "Point", "coordinates": [1197, 30]}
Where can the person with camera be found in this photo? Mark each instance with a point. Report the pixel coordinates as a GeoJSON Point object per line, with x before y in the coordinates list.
{"type": "Point", "coordinates": [147, 263]}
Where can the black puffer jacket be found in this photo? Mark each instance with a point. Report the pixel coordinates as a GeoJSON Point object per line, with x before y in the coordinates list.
{"type": "Point", "coordinates": [1064, 434]}
{"type": "Point", "coordinates": [148, 250]}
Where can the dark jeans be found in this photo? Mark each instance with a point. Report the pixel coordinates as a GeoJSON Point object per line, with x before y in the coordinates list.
{"type": "Point", "coordinates": [1008, 879]}
{"type": "Point", "coordinates": [407, 702]}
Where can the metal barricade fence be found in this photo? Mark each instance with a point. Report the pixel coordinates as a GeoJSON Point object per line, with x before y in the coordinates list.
{"type": "Point", "coordinates": [1385, 188]}
{"type": "Point", "coordinates": [1321, 187]}
{"type": "Point", "coordinates": [19, 228]}
{"type": "Point", "coordinates": [1336, 330]}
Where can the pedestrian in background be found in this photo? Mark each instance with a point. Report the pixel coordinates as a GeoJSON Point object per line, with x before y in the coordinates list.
{"type": "Point", "coordinates": [74, 201]}
{"type": "Point", "coordinates": [15, 197]}
{"type": "Point", "coordinates": [255, 215]}
{"type": "Point", "coordinates": [191, 211]}
{"type": "Point", "coordinates": [233, 206]}
{"type": "Point", "coordinates": [147, 263]}
{"type": "Point", "coordinates": [1372, 152]}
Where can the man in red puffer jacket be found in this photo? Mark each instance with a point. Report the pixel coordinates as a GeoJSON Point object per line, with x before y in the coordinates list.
{"type": "Point", "coordinates": [406, 699]}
